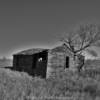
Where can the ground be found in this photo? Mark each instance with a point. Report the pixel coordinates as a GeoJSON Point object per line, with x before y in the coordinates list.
{"type": "Point", "coordinates": [66, 85]}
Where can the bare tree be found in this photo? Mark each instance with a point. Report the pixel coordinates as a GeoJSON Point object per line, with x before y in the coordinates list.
{"type": "Point", "coordinates": [81, 39]}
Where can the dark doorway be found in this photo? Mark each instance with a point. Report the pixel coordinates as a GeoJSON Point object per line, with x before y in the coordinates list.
{"type": "Point", "coordinates": [67, 62]}
{"type": "Point", "coordinates": [40, 64]}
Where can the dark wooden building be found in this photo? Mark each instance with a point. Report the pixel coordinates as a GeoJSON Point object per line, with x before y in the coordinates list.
{"type": "Point", "coordinates": [33, 61]}
{"type": "Point", "coordinates": [42, 62]}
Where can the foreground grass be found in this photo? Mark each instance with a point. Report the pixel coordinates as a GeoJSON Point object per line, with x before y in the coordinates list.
{"type": "Point", "coordinates": [66, 85]}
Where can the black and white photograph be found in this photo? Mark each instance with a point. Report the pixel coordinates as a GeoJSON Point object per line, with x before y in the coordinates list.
{"type": "Point", "coordinates": [49, 49]}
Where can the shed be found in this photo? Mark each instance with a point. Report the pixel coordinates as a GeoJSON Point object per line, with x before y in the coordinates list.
{"type": "Point", "coordinates": [42, 62]}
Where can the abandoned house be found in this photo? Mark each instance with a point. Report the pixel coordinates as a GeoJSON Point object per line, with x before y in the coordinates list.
{"type": "Point", "coordinates": [42, 62]}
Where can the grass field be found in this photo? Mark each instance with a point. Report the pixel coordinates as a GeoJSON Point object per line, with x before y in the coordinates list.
{"type": "Point", "coordinates": [66, 85]}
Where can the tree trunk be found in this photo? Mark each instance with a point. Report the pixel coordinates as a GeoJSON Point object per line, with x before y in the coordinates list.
{"type": "Point", "coordinates": [78, 61]}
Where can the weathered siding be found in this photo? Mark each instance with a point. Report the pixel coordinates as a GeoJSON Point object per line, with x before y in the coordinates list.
{"type": "Point", "coordinates": [58, 60]}
{"type": "Point", "coordinates": [55, 61]}
{"type": "Point", "coordinates": [31, 63]}
{"type": "Point", "coordinates": [51, 61]}
{"type": "Point", "coordinates": [71, 63]}
{"type": "Point", "coordinates": [23, 63]}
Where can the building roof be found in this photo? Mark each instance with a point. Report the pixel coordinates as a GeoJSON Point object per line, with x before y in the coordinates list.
{"type": "Point", "coordinates": [58, 49]}
{"type": "Point", "coordinates": [31, 51]}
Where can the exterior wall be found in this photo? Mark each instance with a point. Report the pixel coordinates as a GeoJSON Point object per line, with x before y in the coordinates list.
{"type": "Point", "coordinates": [23, 63]}
{"type": "Point", "coordinates": [72, 64]}
{"type": "Point", "coordinates": [14, 61]}
{"type": "Point", "coordinates": [53, 60]}
{"type": "Point", "coordinates": [31, 63]}
{"type": "Point", "coordinates": [57, 60]}
{"type": "Point", "coordinates": [40, 66]}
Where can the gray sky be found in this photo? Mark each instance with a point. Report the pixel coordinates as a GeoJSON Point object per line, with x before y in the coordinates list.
{"type": "Point", "coordinates": [31, 23]}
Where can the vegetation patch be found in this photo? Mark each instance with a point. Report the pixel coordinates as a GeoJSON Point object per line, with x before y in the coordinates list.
{"type": "Point", "coordinates": [65, 85]}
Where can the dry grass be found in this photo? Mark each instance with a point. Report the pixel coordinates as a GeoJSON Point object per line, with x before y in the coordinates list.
{"type": "Point", "coordinates": [66, 85]}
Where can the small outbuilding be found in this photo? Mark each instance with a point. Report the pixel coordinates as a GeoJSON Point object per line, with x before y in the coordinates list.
{"type": "Point", "coordinates": [42, 62]}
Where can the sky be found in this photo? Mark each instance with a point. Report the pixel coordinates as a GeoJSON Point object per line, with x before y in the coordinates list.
{"type": "Point", "coordinates": [40, 23]}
